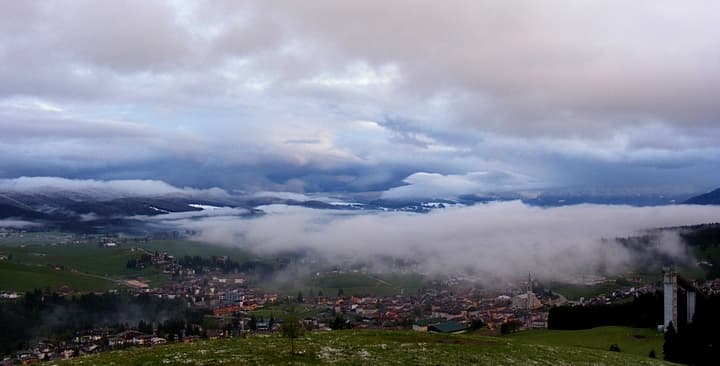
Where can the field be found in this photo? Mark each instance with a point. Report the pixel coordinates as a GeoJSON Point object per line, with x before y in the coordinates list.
{"type": "Point", "coordinates": [21, 278]}
{"type": "Point", "coordinates": [79, 262]}
{"type": "Point", "coordinates": [575, 292]}
{"type": "Point", "coordinates": [630, 340]}
{"type": "Point", "coordinates": [354, 347]}
{"type": "Point", "coordinates": [352, 283]}
{"type": "Point", "coordinates": [34, 255]}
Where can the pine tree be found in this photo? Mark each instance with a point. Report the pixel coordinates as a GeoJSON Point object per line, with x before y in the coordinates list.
{"type": "Point", "coordinates": [292, 329]}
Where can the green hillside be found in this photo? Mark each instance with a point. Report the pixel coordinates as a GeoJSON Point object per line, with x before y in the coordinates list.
{"type": "Point", "coordinates": [636, 341]}
{"type": "Point", "coordinates": [366, 348]}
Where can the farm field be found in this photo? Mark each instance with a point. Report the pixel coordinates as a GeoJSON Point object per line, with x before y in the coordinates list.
{"type": "Point", "coordinates": [21, 278]}
{"type": "Point", "coordinates": [354, 347]}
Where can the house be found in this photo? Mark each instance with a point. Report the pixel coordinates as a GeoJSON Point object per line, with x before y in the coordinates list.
{"type": "Point", "coordinates": [157, 341]}
{"type": "Point", "coordinates": [448, 327]}
{"type": "Point", "coordinates": [227, 310]}
{"type": "Point", "coordinates": [190, 339]}
{"type": "Point", "coordinates": [93, 348]}
{"type": "Point", "coordinates": [263, 326]}
{"type": "Point", "coordinates": [26, 357]}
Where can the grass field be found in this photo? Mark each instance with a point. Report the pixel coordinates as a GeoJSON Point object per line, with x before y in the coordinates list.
{"type": "Point", "coordinates": [375, 284]}
{"type": "Point", "coordinates": [79, 261]}
{"type": "Point", "coordinates": [352, 283]}
{"type": "Point", "coordinates": [635, 341]}
{"type": "Point", "coordinates": [21, 278]}
{"type": "Point", "coordinates": [575, 292]}
{"type": "Point", "coordinates": [366, 348]}
{"type": "Point", "coordinates": [36, 251]}
{"type": "Point", "coordinates": [36, 238]}
{"type": "Point", "coordinates": [84, 258]}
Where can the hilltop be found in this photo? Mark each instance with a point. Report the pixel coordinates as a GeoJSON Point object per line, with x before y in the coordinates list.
{"type": "Point", "coordinates": [353, 347]}
{"type": "Point", "coordinates": [710, 198]}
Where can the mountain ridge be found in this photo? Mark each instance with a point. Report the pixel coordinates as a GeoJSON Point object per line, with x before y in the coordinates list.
{"type": "Point", "coordinates": [709, 198]}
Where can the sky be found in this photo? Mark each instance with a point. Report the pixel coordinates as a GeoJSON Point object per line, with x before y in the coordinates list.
{"type": "Point", "coordinates": [406, 98]}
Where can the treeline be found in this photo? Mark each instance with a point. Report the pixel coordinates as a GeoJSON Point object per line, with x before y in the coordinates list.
{"type": "Point", "coordinates": [698, 343]}
{"type": "Point", "coordinates": [645, 311]}
{"type": "Point", "coordinates": [48, 315]}
{"type": "Point", "coordinates": [227, 265]}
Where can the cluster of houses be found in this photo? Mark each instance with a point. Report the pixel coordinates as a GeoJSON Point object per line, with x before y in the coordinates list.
{"type": "Point", "coordinates": [83, 343]}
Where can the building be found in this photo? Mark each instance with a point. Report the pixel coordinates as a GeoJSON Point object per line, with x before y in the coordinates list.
{"type": "Point", "coordinates": [422, 325]}
{"type": "Point", "coordinates": [448, 327]}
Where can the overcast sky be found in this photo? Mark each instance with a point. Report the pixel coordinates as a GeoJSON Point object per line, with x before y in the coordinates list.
{"type": "Point", "coordinates": [406, 97]}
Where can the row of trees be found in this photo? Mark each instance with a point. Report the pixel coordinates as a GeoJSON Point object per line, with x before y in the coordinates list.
{"type": "Point", "coordinates": [698, 343]}
{"type": "Point", "coordinates": [645, 311]}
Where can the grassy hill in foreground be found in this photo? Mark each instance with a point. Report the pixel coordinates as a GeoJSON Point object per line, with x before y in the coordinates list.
{"type": "Point", "coordinates": [637, 341]}
{"type": "Point", "coordinates": [366, 347]}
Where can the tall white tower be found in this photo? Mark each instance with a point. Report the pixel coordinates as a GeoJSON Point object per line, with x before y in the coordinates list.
{"type": "Point", "coordinates": [670, 303]}
{"type": "Point", "coordinates": [529, 292]}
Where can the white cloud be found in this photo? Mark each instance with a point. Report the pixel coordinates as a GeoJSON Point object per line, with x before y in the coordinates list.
{"type": "Point", "coordinates": [500, 240]}
{"type": "Point", "coordinates": [102, 188]}
{"type": "Point", "coordinates": [17, 224]}
{"type": "Point", "coordinates": [451, 88]}
{"type": "Point", "coordinates": [433, 185]}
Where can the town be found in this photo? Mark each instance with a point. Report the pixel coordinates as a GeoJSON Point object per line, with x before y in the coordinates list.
{"type": "Point", "coordinates": [228, 300]}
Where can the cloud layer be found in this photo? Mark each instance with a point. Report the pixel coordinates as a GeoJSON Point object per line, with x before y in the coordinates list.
{"type": "Point", "coordinates": [102, 188]}
{"type": "Point", "coordinates": [497, 240]}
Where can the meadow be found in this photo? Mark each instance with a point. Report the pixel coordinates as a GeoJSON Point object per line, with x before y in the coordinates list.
{"type": "Point", "coordinates": [354, 347]}
{"type": "Point", "coordinates": [21, 278]}
{"type": "Point", "coordinates": [637, 341]}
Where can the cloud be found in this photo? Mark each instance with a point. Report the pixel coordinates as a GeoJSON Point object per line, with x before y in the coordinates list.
{"type": "Point", "coordinates": [102, 188]}
{"type": "Point", "coordinates": [265, 87]}
{"type": "Point", "coordinates": [17, 224]}
{"type": "Point", "coordinates": [498, 240]}
{"type": "Point", "coordinates": [433, 185]}
{"type": "Point", "coordinates": [168, 218]}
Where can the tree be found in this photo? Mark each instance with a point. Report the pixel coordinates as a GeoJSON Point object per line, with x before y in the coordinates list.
{"type": "Point", "coordinates": [476, 324]}
{"type": "Point", "coordinates": [338, 323]}
{"type": "Point", "coordinates": [300, 297]}
{"type": "Point", "coordinates": [671, 347]}
{"type": "Point", "coordinates": [652, 353]}
{"type": "Point", "coordinates": [292, 329]}
{"type": "Point", "coordinates": [252, 323]}
{"type": "Point", "coordinates": [614, 348]}
{"type": "Point", "coordinates": [145, 327]}
{"type": "Point", "coordinates": [510, 327]}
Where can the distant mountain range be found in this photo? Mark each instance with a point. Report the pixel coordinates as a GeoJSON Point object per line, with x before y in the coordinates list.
{"type": "Point", "coordinates": [93, 211]}
{"type": "Point", "coordinates": [710, 198]}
